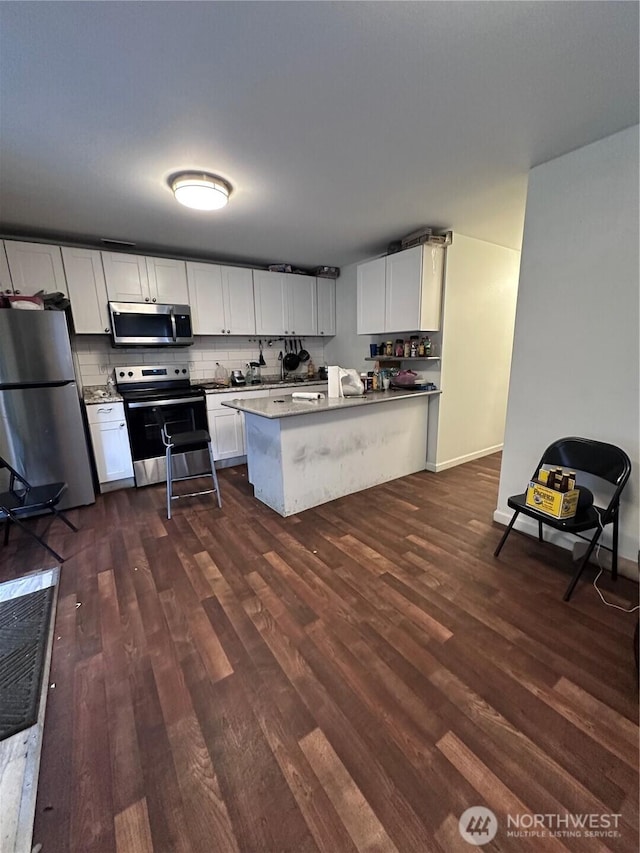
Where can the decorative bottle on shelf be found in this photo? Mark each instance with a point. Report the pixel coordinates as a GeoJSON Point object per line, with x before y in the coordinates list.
{"type": "Point", "coordinates": [427, 346]}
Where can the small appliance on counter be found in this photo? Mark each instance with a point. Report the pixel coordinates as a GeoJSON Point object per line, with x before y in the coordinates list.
{"type": "Point", "coordinates": [254, 373]}
{"type": "Point", "coordinates": [237, 378]}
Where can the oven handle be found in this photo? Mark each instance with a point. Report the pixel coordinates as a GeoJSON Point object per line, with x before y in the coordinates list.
{"type": "Point", "coordinates": [173, 324]}
{"type": "Point", "coordinates": [178, 401]}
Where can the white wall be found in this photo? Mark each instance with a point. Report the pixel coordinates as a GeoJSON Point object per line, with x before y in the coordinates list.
{"type": "Point", "coordinates": [575, 368]}
{"type": "Point", "coordinates": [347, 348]}
{"type": "Point", "coordinates": [467, 421]}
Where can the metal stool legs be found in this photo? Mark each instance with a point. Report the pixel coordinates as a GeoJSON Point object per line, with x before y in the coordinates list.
{"type": "Point", "coordinates": [171, 479]}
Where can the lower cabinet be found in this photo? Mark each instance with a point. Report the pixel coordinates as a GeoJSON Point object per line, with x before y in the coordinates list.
{"type": "Point", "coordinates": [227, 425]}
{"type": "Point", "coordinates": [110, 441]}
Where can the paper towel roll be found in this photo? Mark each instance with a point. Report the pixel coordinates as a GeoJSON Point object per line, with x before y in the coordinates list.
{"type": "Point", "coordinates": [334, 388]}
{"type": "Point", "coordinates": [307, 395]}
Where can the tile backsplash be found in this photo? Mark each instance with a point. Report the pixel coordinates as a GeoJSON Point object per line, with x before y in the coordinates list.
{"type": "Point", "coordinates": [95, 358]}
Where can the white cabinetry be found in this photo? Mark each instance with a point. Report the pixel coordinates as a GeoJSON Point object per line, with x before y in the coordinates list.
{"type": "Point", "coordinates": [110, 441]}
{"type": "Point", "coordinates": [133, 278]}
{"type": "Point", "coordinates": [221, 299]}
{"type": "Point", "coordinates": [326, 289]}
{"type": "Point", "coordinates": [285, 303]}
{"type": "Point", "coordinates": [87, 290]}
{"type": "Point", "coordinates": [33, 267]}
{"type": "Point", "coordinates": [226, 426]}
{"type": "Point", "coordinates": [402, 292]}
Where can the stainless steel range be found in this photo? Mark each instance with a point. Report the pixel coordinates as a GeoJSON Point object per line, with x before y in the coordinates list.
{"type": "Point", "coordinates": [146, 389]}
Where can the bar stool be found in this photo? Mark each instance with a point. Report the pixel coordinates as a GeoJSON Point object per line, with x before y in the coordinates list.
{"type": "Point", "coordinates": [184, 442]}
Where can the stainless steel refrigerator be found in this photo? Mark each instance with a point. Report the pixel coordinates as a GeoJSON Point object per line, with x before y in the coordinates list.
{"type": "Point", "coordinates": [42, 433]}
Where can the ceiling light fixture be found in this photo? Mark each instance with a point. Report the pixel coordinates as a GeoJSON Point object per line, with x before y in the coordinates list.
{"type": "Point", "coordinates": [200, 190]}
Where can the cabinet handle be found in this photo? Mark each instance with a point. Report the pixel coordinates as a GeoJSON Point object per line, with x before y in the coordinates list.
{"type": "Point", "coordinates": [17, 291]}
{"type": "Point", "coordinates": [8, 290]}
{"type": "Point", "coordinates": [146, 299]}
{"type": "Point", "coordinates": [105, 411]}
{"type": "Point", "coordinates": [121, 425]}
{"type": "Point", "coordinates": [286, 333]}
{"type": "Point", "coordinates": [154, 299]}
{"type": "Point", "coordinates": [228, 331]}
{"type": "Point", "coordinates": [107, 330]}
{"type": "Point", "coordinates": [222, 330]}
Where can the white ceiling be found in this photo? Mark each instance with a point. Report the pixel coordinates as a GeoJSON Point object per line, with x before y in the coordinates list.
{"type": "Point", "coordinates": [341, 125]}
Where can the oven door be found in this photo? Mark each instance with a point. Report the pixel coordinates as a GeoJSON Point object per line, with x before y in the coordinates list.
{"type": "Point", "coordinates": [145, 438]}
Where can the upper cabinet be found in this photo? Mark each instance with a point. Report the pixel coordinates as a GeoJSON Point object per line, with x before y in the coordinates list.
{"type": "Point", "coordinates": [285, 303]}
{"type": "Point", "coordinates": [31, 268]}
{"type": "Point", "coordinates": [221, 299]}
{"type": "Point", "coordinates": [326, 291]}
{"type": "Point", "coordinates": [87, 290]}
{"type": "Point", "coordinates": [134, 278]}
{"type": "Point", "coordinates": [401, 292]}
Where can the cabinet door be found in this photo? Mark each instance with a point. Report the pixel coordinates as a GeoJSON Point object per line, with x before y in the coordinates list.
{"type": "Point", "coordinates": [300, 295]}
{"type": "Point", "coordinates": [402, 301]}
{"type": "Point", "coordinates": [167, 281]}
{"type": "Point", "coordinates": [35, 267]}
{"type": "Point", "coordinates": [5, 275]}
{"type": "Point", "coordinates": [326, 305]}
{"type": "Point", "coordinates": [126, 277]}
{"type": "Point", "coordinates": [371, 297]}
{"type": "Point", "coordinates": [111, 451]}
{"type": "Point", "coordinates": [237, 283]}
{"type": "Point", "coordinates": [432, 281]}
{"type": "Point", "coordinates": [227, 435]}
{"type": "Point", "coordinates": [206, 299]}
{"type": "Point", "coordinates": [268, 292]}
{"type": "Point", "coordinates": [87, 290]}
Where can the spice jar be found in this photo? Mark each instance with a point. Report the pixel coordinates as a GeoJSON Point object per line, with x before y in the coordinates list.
{"type": "Point", "coordinates": [388, 348]}
{"type": "Point", "coordinates": [399, 347]}
{"type": "Point", "coordinates": [407, 349]}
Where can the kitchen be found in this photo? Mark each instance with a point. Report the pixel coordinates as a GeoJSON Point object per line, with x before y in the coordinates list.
{"type": "Point", "coordinates": [181, 640]}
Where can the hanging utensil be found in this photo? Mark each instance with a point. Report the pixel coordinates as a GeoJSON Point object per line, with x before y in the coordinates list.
{"type": "Point", "coordinates": [291, 360]}
{"type": "Point", "coordinates": [303, 354]}
{"type": "Point", "coordinates": [261, 360]}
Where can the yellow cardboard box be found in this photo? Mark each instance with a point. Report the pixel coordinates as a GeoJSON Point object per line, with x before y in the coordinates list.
{"type": "Point", "coordinates": [552, 502]}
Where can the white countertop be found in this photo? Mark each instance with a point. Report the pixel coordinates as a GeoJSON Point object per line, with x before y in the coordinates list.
{"type": "Point", "coordinates": [286, 407]}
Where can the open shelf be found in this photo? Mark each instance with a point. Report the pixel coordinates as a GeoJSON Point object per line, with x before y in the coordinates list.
{"type": "Point", "coordinates": [402, 358]}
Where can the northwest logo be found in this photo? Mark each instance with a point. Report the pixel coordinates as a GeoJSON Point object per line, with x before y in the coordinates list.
{"type": "Point", "coordinates": [478, 825]}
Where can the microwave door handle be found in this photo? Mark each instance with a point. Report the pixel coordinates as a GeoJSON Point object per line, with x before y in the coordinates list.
{"type": "Point", "coordinates": [173, 324]}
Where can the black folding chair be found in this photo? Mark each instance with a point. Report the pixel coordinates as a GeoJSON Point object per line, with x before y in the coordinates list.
{"type": "Point", "coordinates": [23, 500]}
{"type": "Point", "coordinates": [606, 462]}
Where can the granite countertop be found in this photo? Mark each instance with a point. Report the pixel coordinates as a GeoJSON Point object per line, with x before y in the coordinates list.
{"type": "Point", "coordinates": [96, 394]}
{"type": "Point", "coordinates": [287, 407]}
{"type": "Point", "coordinates": [211, 386]}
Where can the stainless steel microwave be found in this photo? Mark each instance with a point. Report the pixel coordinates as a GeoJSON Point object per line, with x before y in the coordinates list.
{"type": "Point", "coordinates": [142, 324]}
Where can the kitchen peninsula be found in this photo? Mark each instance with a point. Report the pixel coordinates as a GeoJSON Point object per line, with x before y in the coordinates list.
{"type": "Point", "coordinates": [302, 453]}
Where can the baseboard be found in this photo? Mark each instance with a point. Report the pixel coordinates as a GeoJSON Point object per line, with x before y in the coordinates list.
{"type": "Point", "coordinates": [435, 467]}
{"type": "Point", "coordinates": [628, 568]}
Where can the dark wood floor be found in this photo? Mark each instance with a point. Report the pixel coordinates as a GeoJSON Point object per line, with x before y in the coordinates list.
{"type": "Point", "coordinates": [349, 679]}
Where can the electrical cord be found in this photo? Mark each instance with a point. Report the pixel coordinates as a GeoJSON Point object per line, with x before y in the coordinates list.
{"type": "Point", "coordinates": [597, 577]}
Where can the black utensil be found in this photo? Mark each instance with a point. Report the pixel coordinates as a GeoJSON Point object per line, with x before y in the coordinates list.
{"type": "Point", "coordinates": [261, 360]}
{"type": "Point", "coordinates": [303, 355]}
{"type": "Point", "coordinates": [291, 359]}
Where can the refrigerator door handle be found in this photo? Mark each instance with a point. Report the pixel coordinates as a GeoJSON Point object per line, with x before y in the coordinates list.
{"type": "Point", "coordinates": [21, 386]}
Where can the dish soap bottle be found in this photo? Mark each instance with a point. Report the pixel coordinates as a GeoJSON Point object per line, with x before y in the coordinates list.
{"type": "Point", "coordinates": [111, 386]}
{"type": "Point", "coordinates": [311, 370]}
